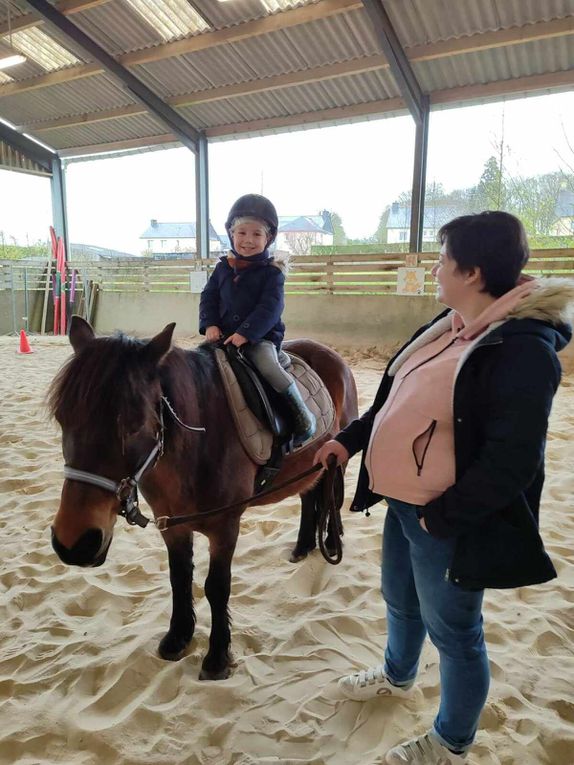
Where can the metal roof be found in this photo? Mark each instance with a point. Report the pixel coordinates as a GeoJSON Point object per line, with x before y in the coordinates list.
{"type": "Point", "coordinates": [254, 71]}
{"type": "Point", "coordinates": [435, 215]}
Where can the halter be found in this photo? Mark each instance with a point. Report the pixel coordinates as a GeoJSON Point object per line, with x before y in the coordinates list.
{"type": "Point", "coordinates": [126, 490]}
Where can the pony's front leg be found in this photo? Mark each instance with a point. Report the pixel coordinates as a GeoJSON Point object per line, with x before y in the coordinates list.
{"type": "Point", "coordinates": [182, 623]}
{"type": "Point", "coordinates": [217, 662]}
{"type": "Point", "coordinates": [306, 539]}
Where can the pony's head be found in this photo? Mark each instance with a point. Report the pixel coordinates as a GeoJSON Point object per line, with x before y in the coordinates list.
{"type": "Point", "coordinates": [106, 400]}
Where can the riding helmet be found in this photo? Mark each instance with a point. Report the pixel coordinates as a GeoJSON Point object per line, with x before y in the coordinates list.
{"type": "Point", "coordinates": [254, 206]}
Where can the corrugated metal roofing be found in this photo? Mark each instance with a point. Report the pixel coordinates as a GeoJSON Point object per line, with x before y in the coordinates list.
{"type": "Point", "coordinates": [36, 45]}
{"type": "Point", "coordinates": [515, 61]}
{"type": "Point", "coordinates": [117, 28]}
{"type": "Point", "coordinates": [424, 21]}
{"type": "Point", "coordinates": [344, 37]}
{"type": "Point", "coordinates": [173, 19]}
{"type": "Point", "coordinates": [95, 133]}
{"type": "Point", "coordinates": [86, 95]}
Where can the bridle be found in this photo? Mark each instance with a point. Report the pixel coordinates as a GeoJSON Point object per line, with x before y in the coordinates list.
{"type": "Point", "coordinates": [126, 490]}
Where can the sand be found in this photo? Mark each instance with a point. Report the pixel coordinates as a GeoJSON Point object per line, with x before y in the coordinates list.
{"type": "Point", "coordinates": [81, 682]}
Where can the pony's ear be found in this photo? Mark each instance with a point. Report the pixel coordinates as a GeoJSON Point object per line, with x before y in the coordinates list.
{"type": "Point", "coordinates": [81, 333]}
{"type": "Point", "coordinates": [159, 345]}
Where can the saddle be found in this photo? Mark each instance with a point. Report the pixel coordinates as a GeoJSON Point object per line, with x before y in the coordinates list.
{"type": "Point", "coordinates": [262, 421]}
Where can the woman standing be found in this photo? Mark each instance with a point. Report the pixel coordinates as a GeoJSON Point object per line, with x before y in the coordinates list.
{"type": "Point", "coordinates": [454, 442]}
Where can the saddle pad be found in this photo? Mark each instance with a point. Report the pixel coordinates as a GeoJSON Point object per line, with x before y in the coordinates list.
{"type": "Point", "coordinates": [256, 439]}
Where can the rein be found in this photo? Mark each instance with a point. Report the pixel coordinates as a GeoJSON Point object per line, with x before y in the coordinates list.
{"type": "Point", "coordinates": [329, 512]}
{"type": "Point", "coordinates": [167, 522]}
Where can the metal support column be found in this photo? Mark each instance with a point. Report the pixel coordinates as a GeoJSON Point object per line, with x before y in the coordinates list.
{"type": "Point", "coordinates": [419, 182]}
{"type": "Point", "coordinates": [202, 198]}
{"type": "Point", "coordinates": [417, 103]}
{"type": "Point", "coordinates": [59, 210]}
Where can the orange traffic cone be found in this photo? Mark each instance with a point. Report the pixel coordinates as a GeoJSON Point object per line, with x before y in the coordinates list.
{"type": "Point", "coordinates": [24, 344]}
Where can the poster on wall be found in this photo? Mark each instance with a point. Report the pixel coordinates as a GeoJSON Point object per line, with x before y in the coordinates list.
{"type": "Point", "coordinates": [410, 281]}
{"type": "Point", "coordinates": [197, 280]}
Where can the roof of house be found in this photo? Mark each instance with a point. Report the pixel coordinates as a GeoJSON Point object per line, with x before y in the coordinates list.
{"type": "Point", "coordinates": [89, 251]}
{"type": "Point", "coordinates": [435, 216]}
{"type": "Point", "coordinates": [158, 230]}
{"type": "Point", "coordinates": [306, 223]}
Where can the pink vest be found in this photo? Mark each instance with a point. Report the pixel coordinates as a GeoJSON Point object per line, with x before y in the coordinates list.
{"type": "Point", "coordinates": [411, 450]}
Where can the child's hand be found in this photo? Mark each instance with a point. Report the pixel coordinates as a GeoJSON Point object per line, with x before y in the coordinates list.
{"type": "Point", "coordinates": [212, 334]}
{"type": "Point", "coordinates": [237, 340]}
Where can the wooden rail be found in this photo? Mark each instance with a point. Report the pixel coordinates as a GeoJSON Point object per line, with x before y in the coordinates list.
{"type": "Point", "coordinates": [371, 274]}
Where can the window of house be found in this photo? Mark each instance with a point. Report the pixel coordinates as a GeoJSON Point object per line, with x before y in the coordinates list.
{"type": "Point", "coordinates": [402, 236]}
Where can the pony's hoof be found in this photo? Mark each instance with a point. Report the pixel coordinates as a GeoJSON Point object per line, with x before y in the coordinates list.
{"type": "Point", "coordinates": [221, 674]}
{"type": "Point", "coordinates": [172, 649]}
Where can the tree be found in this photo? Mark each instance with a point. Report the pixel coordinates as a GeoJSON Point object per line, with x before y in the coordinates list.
{"type": "Point", "coordinates": [533, 200]}
{"type": "Point", "coordinates": [380, 235]}
{"type": "Point", "coordinates": [491, 193]}
{"type": "Point", "coordinates": [339, 235]}
{"type": "Point", "coordinates": [300, 242]}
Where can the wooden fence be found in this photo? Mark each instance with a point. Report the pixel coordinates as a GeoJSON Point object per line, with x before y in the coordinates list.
{"type": "Point", "coordinates": [336, 274]}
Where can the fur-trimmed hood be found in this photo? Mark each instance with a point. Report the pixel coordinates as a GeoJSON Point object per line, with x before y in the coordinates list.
{"type": "Point", "coordinates": [544, 306]}
{"type": "Point", "coordinates": [282, 260]}
{"type": "Point", "coordinates": [552, 300]}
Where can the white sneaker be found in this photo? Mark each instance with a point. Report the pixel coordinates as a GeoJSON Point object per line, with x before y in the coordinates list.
{"type": "Point", "coordinates": [370, 683]}
{"type": "Point", "coordinates": [424, 750]}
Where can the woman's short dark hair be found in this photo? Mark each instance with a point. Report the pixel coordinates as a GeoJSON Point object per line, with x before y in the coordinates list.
{"type": "Point", "coordinates": [493, 241]}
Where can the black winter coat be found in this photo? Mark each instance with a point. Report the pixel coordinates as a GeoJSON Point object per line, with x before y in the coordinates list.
{"type": "Point", "coordinates": [502, 400]}
{"type": "Point", "coordinates": [250, 302]}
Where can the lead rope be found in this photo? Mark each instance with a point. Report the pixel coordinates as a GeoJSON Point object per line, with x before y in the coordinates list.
{"type": "Point", "coordinates": [329, 511]}
{"type": "Point", "coordinates": [330, 515]}
{"type": "Point", "coordinates": [166, 522]}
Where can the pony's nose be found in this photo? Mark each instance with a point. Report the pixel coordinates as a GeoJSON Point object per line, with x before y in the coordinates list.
{"type": "Point", "coordinates": [85, 552]}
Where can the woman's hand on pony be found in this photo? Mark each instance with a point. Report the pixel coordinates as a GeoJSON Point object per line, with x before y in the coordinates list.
{"type": "Point", "coordinates": [331, 447]}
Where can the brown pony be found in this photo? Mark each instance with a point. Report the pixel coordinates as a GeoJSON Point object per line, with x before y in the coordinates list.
{"type": "Point", "coordinates": [108, 402]}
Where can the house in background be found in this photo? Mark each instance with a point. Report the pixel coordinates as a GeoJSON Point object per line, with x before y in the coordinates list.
{"type": "Point", "coordinates": [435, 216]}
{"type": "Point", "coordinates": [564, 212]}
{"type": "Point", "coordinates": [80, 252]}
{"type": "Point", "coordinates": [174, 240]}
{"type": "Point", "coordinates": [298, 233]}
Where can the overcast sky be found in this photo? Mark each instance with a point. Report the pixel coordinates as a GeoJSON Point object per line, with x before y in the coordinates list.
{"type": "Point", "coordinates": [355, 170]}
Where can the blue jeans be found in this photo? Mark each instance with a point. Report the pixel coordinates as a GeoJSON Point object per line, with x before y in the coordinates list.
{"type": "Point", "coordinates": [419, 600]}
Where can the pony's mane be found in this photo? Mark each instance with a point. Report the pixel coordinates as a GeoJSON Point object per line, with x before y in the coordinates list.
{"type": "Point", "coordinates": [102, 385]}
{"type": "Point", "coordinates": [109, 383]}
{"type": "Point", "coordinates": [187, 375]}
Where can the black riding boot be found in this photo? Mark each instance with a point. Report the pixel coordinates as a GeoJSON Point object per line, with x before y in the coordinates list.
{"type": "Point", "coordinates": [303, 420]}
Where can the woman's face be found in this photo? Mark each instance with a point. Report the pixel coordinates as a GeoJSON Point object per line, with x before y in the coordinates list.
{"type": "Point", "coordinates": [249, 238]}
{"type": "Point", "coordinates": [452, 286]}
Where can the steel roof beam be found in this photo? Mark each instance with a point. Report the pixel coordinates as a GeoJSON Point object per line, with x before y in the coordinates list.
{"type": "Point", "coordinates": [34, 151]}
{"type": "Point", "coordinates": [400, 66]}
{"type": "Point", "coordinates": [187, 134]}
